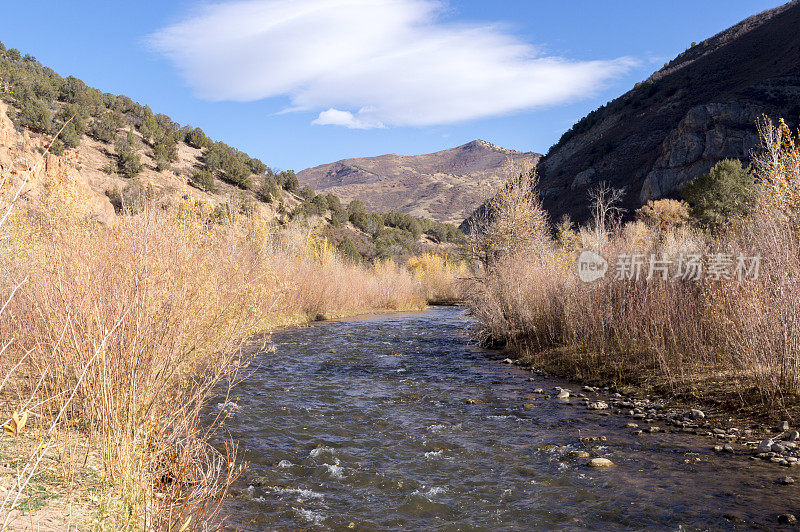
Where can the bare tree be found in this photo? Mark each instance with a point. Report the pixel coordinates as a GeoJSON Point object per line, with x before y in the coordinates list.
{"type": "Point", "coordinates": [605, 207]}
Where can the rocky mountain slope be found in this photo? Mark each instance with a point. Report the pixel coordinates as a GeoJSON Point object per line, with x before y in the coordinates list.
{"type": "Point", "coordinates": [699, 108]}
{"type": "Point", "coordinates": [86, 167]}
{"type": "Point", "coordinates": [115, 155]}
{"type": "Point", "coordinates": [445, 186]}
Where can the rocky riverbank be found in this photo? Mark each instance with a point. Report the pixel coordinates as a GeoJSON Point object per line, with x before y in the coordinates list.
{"type": "Point", "coordinates": [651, 413]}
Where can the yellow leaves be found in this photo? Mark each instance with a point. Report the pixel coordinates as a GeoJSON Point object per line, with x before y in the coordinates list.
{"type": "Point", "coordinates": [14, 425]}
{"type": "Point", "coordinates": [778, 169]}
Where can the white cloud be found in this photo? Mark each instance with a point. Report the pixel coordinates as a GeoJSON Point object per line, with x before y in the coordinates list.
{"type": "Point", "coordinates": [371, 62]}
{"type": "Point", "coordinates": [335, 117]}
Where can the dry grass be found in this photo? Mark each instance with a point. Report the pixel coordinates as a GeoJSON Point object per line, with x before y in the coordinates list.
{"type": "Point", "coordinates": [122, 334]}
{"type": "Point", "coordinates": [669, 333]}
{"type": "Point", "coordinates": [439, 278]}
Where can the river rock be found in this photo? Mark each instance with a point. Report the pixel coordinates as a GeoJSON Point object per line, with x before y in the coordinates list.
{"type": "Point", "coordinates": [631, 426]}
{"type": "Point", "coordinates": [777, 448]}
{"type": "Point", "coordinates": [475, 401]}
{"type": "Point", "coordinates": [793, 436]}
{"type": "Point", "coordinates": [507, 361]}
{"type": "Point", "coordinates": [600, 462]}
{"type": "Point", "coordinates": [783, 426]}
{"type": "Point", "coordinates": [599, 405]}
{"type": "Point", "coordinates": [538, 390]}
{"type": "Point", "coordinates": [579, 454]}
{"type": "Point", "coordinates": [697, 414]}
{"type": "Point", "coordinates": [765, 446]}
{"type": "Point", "coordinates": [787, 519]}
{"type": "Point", "coordinates": [563, 394]}
{"type": "Point", "coordinates": [787, 480]}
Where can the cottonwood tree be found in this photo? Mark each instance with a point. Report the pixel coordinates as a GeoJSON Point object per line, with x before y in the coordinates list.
{"type": "Point", "coordinates": [513, 222]}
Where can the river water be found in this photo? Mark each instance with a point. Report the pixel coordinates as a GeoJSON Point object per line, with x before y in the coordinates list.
{"type": "Point", "coordinates": [365, 424]}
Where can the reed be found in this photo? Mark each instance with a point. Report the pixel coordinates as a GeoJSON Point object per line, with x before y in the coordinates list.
{"type": "Point", "coordinates": [122, 334]}
{"type": "Point", "coordinates": [730, 339]}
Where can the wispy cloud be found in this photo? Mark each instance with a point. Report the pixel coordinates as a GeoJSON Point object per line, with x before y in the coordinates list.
{"type": "Point", "coordinates": [371, 63]}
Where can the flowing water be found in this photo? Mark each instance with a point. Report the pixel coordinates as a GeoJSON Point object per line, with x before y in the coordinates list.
{"type": "Point", "coordinates": [365, 424]}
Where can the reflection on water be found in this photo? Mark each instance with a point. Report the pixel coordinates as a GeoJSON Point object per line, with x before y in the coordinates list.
{"type": "Point", "coordinates": [364, 424]}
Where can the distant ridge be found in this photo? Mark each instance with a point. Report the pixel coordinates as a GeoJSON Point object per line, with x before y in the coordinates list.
{"type": "Point", "coordinates": [446, 185]}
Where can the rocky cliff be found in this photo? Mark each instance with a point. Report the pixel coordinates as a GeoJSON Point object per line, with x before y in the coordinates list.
{"type": "Point", "coordinates": [700, 108]}
{"type": "Point", "coordinates": [445, 186]}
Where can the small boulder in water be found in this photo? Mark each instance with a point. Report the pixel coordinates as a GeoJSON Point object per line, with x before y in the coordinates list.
{"type": "Point", "coordinates": [507, 361]}
{"type": "Point", "coordinates": [563, 394]}
{"type": "Point", "coordinates": [475, 401]}
{"type": "Point", "coordinates": [600, 462]}
{"type": "Point", "coordinates": [579, 454]}
{"type": "Point", "coordinates": [765, 446]}
{"type": "Point", "coordinates": [599, 405]}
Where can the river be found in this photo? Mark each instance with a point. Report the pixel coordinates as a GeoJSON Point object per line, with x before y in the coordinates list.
{"type": "Point", "coordinates": [365, 424]}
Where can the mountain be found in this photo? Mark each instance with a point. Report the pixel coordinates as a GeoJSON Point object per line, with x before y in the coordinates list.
{"type": "Point", "coordinates": [699, 108]}
{"type": "Point", "coordinates": [445, 186]}
{"type": "Point", "coordinates": [115, 155]}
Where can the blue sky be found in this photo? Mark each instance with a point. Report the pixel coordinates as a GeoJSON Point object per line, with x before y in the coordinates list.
{"type": "Point", "coordinates": [280, 96]}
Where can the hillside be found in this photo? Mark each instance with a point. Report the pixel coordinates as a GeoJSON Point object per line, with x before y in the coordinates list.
{"type": "Point", "coordinates": [444, 186]}
{"type": "Point", "coordinates": [121, 155]}
{"type": "Point", "coordinates": [699, 108]}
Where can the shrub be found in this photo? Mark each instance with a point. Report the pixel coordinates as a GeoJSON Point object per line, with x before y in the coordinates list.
{"type": "Point", "coordinates": [204, 180]}
{"type": "Point", "coordinates": [269, 189]}
{"type": "Point", "coordinates": [665, 214]}
{"type": "Point", "coordinates": [338, 217]}
{"type": "Point", "coordinates": [257, 167]}
{"type": "Point", "coordinates": [289, 180]}
{"type": "Point", "coordinates": [165, 151]}
{"type": "Point", "coordinates": [103, 129]}
{"type": "Point", "coordinates": [356, 206]}
{"type": "Point", "coordinates": [370, 223]}
{"type": "Point", "coordinates": [320, 201]}
{"type": "Point", "coordinates": [334, 203]}
{"type": "Point", "coordinates": [35, 114]}
{"type": "Point", "coordinates": [149, 127]}
{"type": "Point", "coordinates": [198, 139]}
{"type": "Point", "coordinates": [129, 162]}
{"type": "Point", "coordinates": [349, 250]}
{"type": "Point", "coordinates": [237, 173]}
{"type": "Point", "coordinates": [726, 192]}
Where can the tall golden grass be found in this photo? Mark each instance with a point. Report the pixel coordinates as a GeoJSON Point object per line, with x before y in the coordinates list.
{"type": "Point", "coordinates": [441, 279]}
{"type": "Point", "coordinates": [123, 333]}
{"type": "Point", "coordinates": [726, 337]}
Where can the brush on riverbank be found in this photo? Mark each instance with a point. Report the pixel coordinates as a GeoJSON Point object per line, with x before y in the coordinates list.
{"type": "Point", "coordinates": [725, 336]}
{"type": "Point", "coordinates": [119, 335]}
